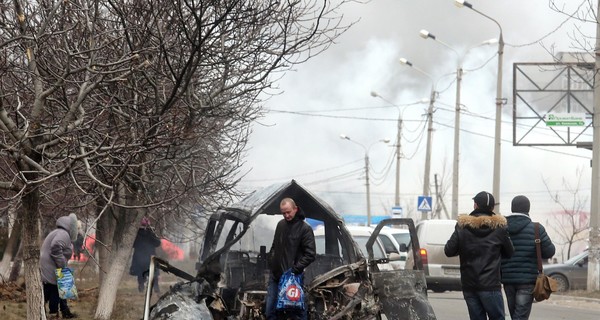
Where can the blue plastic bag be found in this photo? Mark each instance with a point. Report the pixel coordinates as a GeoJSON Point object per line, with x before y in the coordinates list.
{"type": "Point", "coordinates": [66, 283]}
{"type": "Point", "coordinates": [290, 294]}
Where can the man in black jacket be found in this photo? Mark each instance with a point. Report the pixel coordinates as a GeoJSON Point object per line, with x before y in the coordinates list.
{"type": "Point", "coordinates": [293, 248]}
{"type": "Point", "coordinates": [520, 271]}
{"type": "Point", "coordinates": [481, 240]}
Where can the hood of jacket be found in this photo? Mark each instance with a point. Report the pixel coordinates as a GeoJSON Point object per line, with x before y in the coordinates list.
{"type": "Point", "coordinates": [299, 215]}
{"type": "Point", "coordinates": [69, 224]}
{"type": "Point", "coordinates": [481, 223]}
{"type": "Point", "coordinates": [516, 222]}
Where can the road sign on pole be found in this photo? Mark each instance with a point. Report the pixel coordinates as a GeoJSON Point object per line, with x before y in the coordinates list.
{"type": "Point", "coordinates": [424, 203]}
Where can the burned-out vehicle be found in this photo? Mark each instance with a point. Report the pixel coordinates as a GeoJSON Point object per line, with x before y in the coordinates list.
{"type": "Point", "coordinates": [232, 271]}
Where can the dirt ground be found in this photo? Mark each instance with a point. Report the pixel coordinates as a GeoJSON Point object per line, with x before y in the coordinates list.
{"type": "Point", "coordinates": [129, 303]}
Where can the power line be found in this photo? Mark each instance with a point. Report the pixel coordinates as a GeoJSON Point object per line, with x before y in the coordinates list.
{"type": "Point", "coordinates": [306, 173]}
{"type": "Point", "coordinates": [569, 17]}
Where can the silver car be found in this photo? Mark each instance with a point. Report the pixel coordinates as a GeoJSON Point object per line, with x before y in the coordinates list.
{"type": "Point", "coordinates": [570, 275]}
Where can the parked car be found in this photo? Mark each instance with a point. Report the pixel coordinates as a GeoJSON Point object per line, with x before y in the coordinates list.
{"type": "Point", "coordinates": [395, 241]}
{"type": "Point", "coordinates": [570, 275]}
{"type": "Point", "coordinates": [442, 273]}
{"type": "Point", "coordinates": [342, 283]}
{"type": "Point", "coordinates": [361, 235]}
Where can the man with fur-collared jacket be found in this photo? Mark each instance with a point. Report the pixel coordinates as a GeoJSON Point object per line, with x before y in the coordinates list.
{"type": "Point", "coordinates": [481, 240]}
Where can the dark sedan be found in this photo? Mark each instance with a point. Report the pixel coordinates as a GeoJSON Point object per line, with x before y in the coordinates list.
{"type": "Point", "coordinates": [570, 275]}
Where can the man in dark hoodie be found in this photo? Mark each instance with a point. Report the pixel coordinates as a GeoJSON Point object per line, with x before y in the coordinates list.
{"type": "Point", "coordinates": [520, 271]}
{"type": "Point", "coordinates": [481, 240]}
{"type": "Point", "coordinates": [293, 248]}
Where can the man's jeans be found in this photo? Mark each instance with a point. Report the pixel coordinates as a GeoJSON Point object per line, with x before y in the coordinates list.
{"type": "Point", "coordinates": [482, 304]}
{"type": "Point", "coordinates": [519, 299]}
{"type": "Point", "coordinates": [271, 303]}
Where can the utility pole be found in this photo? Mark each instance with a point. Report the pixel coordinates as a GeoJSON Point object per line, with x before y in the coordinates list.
{"type": "Point", "coordinates": [456, 159]}
{"type": "Point", "coordinates": [398, 156]}
{"type": "Point", "coordinates": [428, 152]}
{"type": "Point", "coordinates": [368, 188]}
{"type": "Point", "coordinates": [593, 279]}
{"type": "Point", "coordinates": [498, 135]}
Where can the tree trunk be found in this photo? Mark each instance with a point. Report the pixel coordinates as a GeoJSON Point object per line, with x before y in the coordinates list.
{"type": "Point", "coordinates": [16, 267]}
{"type": "Point", "coordinates": [104, 235]}
{"type": "Point", "coordinates": [31, 256]}
{"type": "Point", "coordinates": [124, 236]}
{"type": "Point", "coordinates": [10, 251]}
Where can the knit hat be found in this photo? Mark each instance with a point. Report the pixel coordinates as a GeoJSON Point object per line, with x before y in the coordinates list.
{"type": "Point", "coordinates": [520, 204]}
{"type": "Point", "coordinates": [485, 200]}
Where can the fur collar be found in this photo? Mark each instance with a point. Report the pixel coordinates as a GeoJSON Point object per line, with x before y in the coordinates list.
{"type": "Point", "coordinates": [476, 222]}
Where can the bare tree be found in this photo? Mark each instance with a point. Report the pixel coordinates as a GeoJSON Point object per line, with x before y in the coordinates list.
{"type": "Point", "coordinates": [136, 104]}
{"type": "Point", "coordinates": [571, 223]}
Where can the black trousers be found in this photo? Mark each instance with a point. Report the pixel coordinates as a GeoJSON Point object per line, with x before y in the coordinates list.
{"type": "Point", "coordinates": [54, 301]}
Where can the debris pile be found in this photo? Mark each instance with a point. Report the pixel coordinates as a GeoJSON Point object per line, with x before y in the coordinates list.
{"type": "Point", "coordinates": [13, 291]}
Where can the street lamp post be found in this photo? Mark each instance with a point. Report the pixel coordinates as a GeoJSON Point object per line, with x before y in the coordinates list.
{"type": "Point", "coordinates": [459, 73]}
{"type": "Point", "coordinates": [368, 187]}
{"type": "Point", "coordinates": [398, 149]}
{"type": "Point", "coordinates": [429, 131]}
{"type": "Point", "coordinates": [497, 137]}
{"type": "Point", "coordinates": [398, 142]}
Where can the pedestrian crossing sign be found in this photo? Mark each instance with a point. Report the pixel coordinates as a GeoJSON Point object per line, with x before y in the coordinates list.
{"type": "Point", "coordinates": [424, 203]}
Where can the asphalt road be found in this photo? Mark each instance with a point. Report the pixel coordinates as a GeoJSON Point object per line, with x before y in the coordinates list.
{"type": "Point", "coordinates": [451, 306]}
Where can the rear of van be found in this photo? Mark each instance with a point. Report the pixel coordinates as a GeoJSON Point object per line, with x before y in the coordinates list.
{"type": "Point", "coordinates": [442, 273]}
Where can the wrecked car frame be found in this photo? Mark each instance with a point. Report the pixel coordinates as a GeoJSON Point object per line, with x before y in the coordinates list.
{"type": "Point", "coordinates": [341, 283]}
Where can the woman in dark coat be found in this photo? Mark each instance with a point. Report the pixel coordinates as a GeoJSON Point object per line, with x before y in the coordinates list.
{"type": "Point", "coordinates": [144, 247]}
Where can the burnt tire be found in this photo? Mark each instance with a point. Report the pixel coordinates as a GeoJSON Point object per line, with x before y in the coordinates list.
{"type": "Point", "coordinates": [561, 281]}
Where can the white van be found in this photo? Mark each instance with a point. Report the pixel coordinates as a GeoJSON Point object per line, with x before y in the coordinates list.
{"type": "Point", "coordinates": [442, 273]}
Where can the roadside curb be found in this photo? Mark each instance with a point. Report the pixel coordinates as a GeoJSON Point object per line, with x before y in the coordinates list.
{"type": "Point", "coordinates": [573, 298]}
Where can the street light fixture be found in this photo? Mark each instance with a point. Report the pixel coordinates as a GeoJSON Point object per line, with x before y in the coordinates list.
{"type": "Point", "coordinates": [429, 130]}
{"type": "Point", "coordinates": [366, 149]}
{"type": "Point", "coordinates": [459, 73]}
{"type": "Point", "coordinates": [497, 137]}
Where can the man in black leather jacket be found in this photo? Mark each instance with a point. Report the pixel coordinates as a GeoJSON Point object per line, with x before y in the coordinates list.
{"type": "Point", "coordinates": [481, 240]}
{"type": "Point", "coordinates": [293, 248]}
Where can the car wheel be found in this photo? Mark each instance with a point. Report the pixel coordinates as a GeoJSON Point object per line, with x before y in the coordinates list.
{"type": "Point", "coordinates": [563, 283]}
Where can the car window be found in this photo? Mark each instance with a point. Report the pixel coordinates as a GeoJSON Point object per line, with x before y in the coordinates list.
{"type": "Point", "coordinates": [388, 244]}
{"type": "Point", "coordinates": [259, 233]}
{"type": "Point", "coordinates": [362, 243]}
{"type": "Point", "coordinates": [402, 238]}
{"type": "Point", "coordinates": [438, 233]}
{"type": "Point", "coordinates": [320, 244]}
{"type": "Point", "coordinates": [576, 258]}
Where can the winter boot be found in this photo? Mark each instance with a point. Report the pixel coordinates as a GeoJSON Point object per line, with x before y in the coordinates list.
{"type": "Point", "coordinates": [68, 315]}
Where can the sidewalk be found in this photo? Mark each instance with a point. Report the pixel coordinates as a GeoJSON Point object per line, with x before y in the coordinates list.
{"type": "Point", "coordinates": [573, 301]}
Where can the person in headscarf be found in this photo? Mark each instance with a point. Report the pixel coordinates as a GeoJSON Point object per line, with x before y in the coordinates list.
{"type": "Point", "coordinates": [55, 253]}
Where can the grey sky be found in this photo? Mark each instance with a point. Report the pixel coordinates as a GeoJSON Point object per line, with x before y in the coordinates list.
{"type": "Point", "coordinates": [308, 148]}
